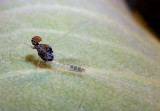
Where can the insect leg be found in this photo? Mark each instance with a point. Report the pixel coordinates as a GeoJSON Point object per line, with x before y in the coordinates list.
{"type": "Point", "coordinates": [25, 44]}
{"type": "Point", "coordinates": [38, 62]}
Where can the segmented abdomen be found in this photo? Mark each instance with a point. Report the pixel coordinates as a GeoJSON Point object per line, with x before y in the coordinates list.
{"type": "Point", "coordinates": [78, 69]}
{"type": "Point", "coordinates": [64, 66]}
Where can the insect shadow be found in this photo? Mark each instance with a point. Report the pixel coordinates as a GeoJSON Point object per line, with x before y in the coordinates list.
{"type": "Point", "coordinates": [34, 61]}
{"type": "Point", "coordinates": [31, 58]}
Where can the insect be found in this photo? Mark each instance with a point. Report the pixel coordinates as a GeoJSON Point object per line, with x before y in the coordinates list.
{"type": "Point", "coordinates": [45, 52]}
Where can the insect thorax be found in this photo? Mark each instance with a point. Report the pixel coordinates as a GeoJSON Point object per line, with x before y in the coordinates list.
{"type": "Point", "coordinates": [44, 51]}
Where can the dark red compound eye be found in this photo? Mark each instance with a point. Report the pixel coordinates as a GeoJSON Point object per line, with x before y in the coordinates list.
{"type": "Point", "coordinates": [36, 39]}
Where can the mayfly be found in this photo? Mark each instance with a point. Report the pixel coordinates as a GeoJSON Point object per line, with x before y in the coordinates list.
{"type": "Point", "coordinates": [45, 52]}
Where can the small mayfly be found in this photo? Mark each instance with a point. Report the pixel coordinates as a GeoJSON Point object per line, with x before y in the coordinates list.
{"type": "Point", "coordinates": [45, 52]}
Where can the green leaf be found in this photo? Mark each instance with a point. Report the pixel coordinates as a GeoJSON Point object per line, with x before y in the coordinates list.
{"type": "Point", "coordinates": [122, 60]}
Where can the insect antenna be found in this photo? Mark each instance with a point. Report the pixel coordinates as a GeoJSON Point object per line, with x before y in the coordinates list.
{"type": "Point", "coordinates": [71, 30]}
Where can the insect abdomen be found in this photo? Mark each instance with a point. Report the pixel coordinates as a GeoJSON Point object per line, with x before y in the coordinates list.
{"type": "Point", "coordinates": [78, 69]}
